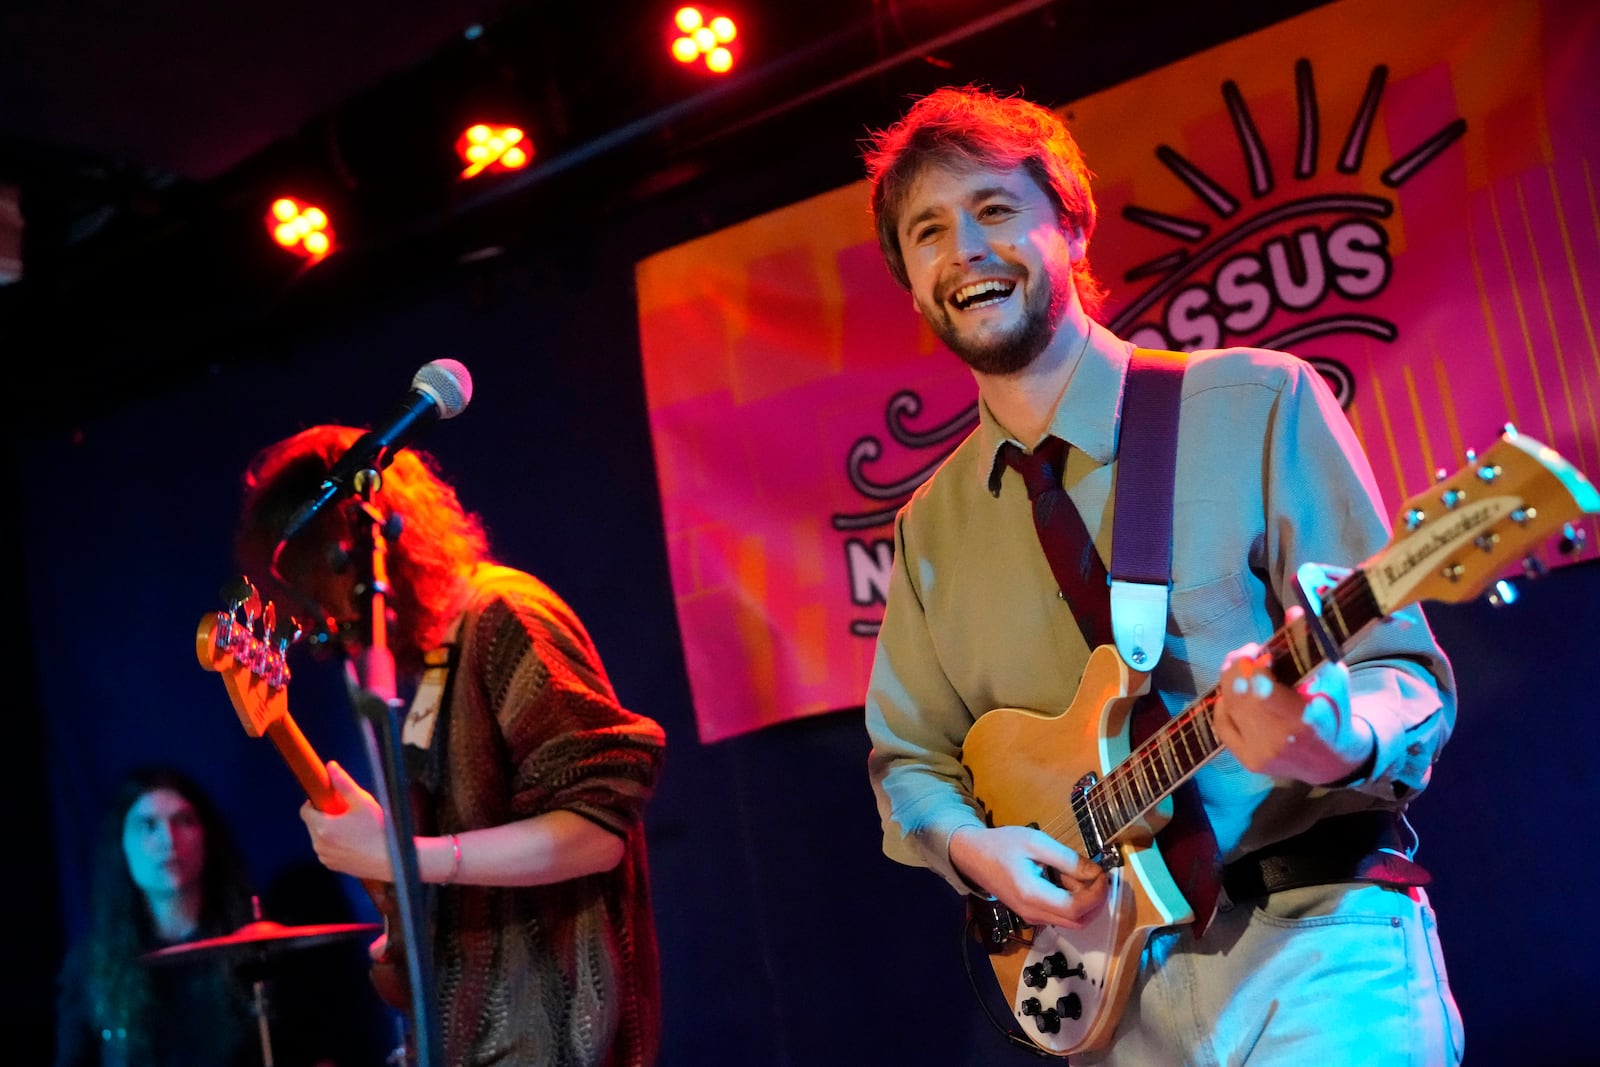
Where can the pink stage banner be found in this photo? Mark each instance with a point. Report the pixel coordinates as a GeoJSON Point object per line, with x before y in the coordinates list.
{"type": "Point", "coordinates": [1402, 192]}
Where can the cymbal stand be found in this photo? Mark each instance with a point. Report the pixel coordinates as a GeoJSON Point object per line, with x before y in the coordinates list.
{"type": "Point", "coordinates": [258, 993]}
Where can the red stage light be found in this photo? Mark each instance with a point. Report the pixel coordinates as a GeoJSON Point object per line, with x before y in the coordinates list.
{"type": "Point", "coordinates": [700, 36]}
{"type": "Point", "coordinates": [484, 147]}
{"type": "Point", "coordinates": [300, 227]}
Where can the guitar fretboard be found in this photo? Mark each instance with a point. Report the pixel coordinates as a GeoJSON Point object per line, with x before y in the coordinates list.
{"type": "Point", "coordinates": [1172, 755]}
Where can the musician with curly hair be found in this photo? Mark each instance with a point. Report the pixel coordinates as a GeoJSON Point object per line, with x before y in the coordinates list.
{"type": "Point", "coordinates": [530, 778]}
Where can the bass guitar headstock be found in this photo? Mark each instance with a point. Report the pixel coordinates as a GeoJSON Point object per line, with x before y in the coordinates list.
{"type": "Point", "coordinates": [248, 646]}
{"type": "Point", "coordinates": [1456, 539]}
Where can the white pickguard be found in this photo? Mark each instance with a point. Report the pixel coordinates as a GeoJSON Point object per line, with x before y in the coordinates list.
{"type": "Point", "coordinates": [1086, 956]}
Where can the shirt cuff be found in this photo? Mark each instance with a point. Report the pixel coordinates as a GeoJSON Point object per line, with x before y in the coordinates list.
{"type": "Point", "coordinates": [928, 836]}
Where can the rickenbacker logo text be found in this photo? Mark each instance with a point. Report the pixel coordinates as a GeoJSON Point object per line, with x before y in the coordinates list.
{"type": "Point", "coordinates": [1397, 569]}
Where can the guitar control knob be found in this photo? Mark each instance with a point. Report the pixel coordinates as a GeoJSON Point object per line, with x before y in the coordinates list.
{"type": "Point", "coordinates": [1034, 976]}
{"type": "Point", "coordinates": [1070, 1007]}
{"type": "Point", "coordinates": [1080, 971]}
{"type": "Point", "coordinates": [1055, 966]}
{"type": "Point", "coordinates": [1048, 1020]}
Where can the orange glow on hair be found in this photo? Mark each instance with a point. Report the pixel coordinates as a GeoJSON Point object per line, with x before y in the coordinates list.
{"type": "Point", "coordinates": [429, 563]}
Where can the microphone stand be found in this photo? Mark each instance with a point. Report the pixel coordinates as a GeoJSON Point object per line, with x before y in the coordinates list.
{"type": "Point", "coordinates": [379, 713]}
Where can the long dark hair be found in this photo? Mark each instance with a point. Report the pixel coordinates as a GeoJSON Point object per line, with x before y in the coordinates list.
{"type": "Point", "coordinates": [121, 928]}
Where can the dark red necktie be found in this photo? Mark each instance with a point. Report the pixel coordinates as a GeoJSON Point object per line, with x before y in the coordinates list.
{"type": "Point", "coordinates": [1066, 542]}
{"type": "Point", "coordinates": [1188, 844]}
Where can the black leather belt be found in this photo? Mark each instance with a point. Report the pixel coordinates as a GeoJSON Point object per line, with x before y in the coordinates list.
{"type": "Point", "coordinates": [1366, 846]}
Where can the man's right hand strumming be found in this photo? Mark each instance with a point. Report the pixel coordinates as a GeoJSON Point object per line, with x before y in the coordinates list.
{"type": "Point", "coordinates": [1041, 880]}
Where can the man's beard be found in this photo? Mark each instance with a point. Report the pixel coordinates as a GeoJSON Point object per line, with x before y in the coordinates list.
{"type": "Point", "coordinates": [1013, 350]}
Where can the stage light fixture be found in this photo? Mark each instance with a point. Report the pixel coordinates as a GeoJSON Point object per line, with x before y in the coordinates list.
{"type": "Point", "coordinates": [300, 227]}
{"type": "Point", "coordinates": [494, 148]}
{"type": "Point", "coordinates": [700, 37]}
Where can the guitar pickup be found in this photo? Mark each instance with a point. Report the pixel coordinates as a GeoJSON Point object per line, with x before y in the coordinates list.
{"type": "Point", "coordinates": [1095, 845]}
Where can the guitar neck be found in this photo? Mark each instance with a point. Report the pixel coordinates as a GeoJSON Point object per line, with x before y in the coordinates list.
{"type": "Point", "coordinates": [1172, 755]}
{"type": "Point", "coordinates": [306, 765]}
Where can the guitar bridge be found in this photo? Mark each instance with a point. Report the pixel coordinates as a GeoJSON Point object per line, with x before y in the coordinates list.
{"type": "Point", "coordinates": [993, 925]}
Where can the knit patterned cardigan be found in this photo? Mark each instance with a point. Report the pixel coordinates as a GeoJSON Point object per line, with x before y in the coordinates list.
{"type": "Point", "coordinates": [562, 975]}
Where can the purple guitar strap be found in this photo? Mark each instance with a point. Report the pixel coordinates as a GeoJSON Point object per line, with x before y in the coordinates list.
{"type": "Point", "coordinates": [1141, 576]}
{"type": "Point", "coordinates": [1141, 531]}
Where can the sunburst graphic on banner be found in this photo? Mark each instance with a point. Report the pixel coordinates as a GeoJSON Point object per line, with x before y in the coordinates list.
{"type": "Point", "coordinates": [1222, 283]}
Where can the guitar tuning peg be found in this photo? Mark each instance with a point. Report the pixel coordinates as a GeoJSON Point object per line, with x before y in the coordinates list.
{"type": "Point", "coordinates": [1503, 593]}
{"type": "Point", "coordinates": [251, 605]}
{"type": "Point", "coordinates": [1572, 539]}
{"type": "Point", "coordinates": [287, 634]}
{"type": "Point", "coordinates": [1533, 567]}
{"type": "Point", "coordinates": [236, 592]}
{"type": "Point", "coordinates": [1472, 456]}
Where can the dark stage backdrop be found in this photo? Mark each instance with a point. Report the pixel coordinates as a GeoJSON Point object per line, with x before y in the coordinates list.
{"type": "Point", "coordinates": [787, 939]}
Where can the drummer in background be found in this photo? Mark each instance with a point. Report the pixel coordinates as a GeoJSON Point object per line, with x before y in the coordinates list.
{"type": "Point", "coordinates": [166, 871]}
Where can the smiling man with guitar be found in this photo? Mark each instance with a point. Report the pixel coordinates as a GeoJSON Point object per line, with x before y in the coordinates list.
{"type": "Point", "coordinates": [1323, 948]}
{"type": "Point", "coordinates": [530, 779]}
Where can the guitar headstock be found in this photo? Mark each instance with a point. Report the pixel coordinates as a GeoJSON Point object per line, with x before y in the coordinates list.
{"type": "Point", "coordinates": [1454, 540]}
{"type": "Point", "coordinates": [247, 646]}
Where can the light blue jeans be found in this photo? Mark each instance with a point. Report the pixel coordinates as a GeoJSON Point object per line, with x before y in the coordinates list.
{"type": "Point", "coordinates": [1315, 977]}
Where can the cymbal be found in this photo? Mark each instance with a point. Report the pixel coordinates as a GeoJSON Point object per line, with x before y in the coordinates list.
{"type": "Point", "coordinates": [258, 940]}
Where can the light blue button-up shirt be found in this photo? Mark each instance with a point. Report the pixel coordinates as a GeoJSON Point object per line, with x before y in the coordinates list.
{"type": "Point", "coordinates": [1269, 476]}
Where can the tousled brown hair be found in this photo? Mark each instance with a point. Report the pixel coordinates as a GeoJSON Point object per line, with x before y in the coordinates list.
{"type": "Point", "coordinates": [971, 126]}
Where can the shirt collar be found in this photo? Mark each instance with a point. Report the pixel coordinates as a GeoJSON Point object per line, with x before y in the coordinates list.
{"type": "Point", "coordinates": [1082, 418]}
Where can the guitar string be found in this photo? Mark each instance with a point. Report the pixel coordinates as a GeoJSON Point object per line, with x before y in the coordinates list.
{"type": "Point", "coordinates": [1123, 802]}
{"type": "Point", "coordinates": [1117, 800]}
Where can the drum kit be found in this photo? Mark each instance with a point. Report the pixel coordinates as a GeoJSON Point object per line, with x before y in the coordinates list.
{"type": "Point", "coordinates": [253, 946]}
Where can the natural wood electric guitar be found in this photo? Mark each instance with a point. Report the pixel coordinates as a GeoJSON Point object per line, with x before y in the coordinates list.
{"type": "Point", "coordinates": [1073, 775]}
{"type": "Point", "coordinates": [245, 646]}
